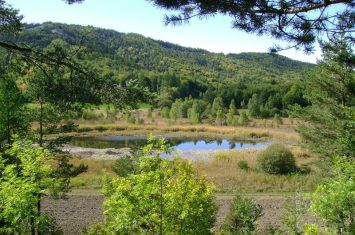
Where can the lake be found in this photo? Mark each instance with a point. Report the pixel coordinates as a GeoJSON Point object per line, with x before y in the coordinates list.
{"type": "Point", "coordinates": [183, 144]}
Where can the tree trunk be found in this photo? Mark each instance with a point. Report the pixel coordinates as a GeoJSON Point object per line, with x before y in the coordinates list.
{"type": "Point", "coordinates": [41, 125]}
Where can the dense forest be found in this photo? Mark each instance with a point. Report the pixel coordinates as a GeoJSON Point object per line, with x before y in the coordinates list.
{"type": "Point", "coordinates": [267, 83]}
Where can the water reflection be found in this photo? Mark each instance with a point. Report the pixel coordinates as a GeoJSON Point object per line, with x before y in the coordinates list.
{"type": "Point", "coordinates": [178, 143]}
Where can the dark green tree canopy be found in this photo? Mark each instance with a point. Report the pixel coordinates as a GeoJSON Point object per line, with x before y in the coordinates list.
{"type": "Point", "coordinates": [300, 23]}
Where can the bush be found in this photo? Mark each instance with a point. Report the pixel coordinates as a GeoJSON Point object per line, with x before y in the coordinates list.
{"type": "Point", "coordinates": [242, 217]}
{"type": "Point", "coordinates": [276, 159]}
{"type": "Point", "coordinates": [243, 165]}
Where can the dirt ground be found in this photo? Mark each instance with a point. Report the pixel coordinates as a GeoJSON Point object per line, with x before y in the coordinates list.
{"type": "Point", "coordinates": [77, 212]}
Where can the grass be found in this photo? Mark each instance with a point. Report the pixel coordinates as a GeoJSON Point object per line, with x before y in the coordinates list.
{"type": "Point", "coordinates": [222, 171]}
{"type": "Point", "coordinates": [92, 178]}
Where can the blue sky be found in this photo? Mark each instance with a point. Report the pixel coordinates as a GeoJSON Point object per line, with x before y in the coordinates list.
{"type": "Point", "coordinates": [138, 16]}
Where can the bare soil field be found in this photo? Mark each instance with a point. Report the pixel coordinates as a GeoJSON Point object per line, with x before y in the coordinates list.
{"type": "Point", "coordinates": [77, 212]}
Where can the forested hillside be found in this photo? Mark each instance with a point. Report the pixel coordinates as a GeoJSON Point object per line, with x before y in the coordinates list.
{"type": "Point", "coordinates": [176, 72]}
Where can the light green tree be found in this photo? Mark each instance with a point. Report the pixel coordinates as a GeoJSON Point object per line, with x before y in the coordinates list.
{"type": "Point", "coordinates": [161, 197]}
{"type": "Point", "coordinates": [254, 106]}
{"type": "Point", "coordinates": [196, 111]}
{"type": "Point", "coordinates": [22, 182]}
{"type": "Point", "coordinates": [231, 121]}
{"type": "Point", "coordinates": [217, 105]}
{"type": "Point", "coordinates": [334, 200]}
{"type": "Point", "coordinates": [243, 118]}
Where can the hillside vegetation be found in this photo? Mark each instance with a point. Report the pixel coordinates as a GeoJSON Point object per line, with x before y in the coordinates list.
{"type": "Point", "coordinates": [265, 83]}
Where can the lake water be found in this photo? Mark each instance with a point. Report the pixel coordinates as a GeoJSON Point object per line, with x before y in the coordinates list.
{"type": "Point", "coordinates": [176, 143]}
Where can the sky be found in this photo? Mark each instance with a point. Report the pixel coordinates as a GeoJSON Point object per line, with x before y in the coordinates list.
{"type": "Point", "coordinates": [138, 16]}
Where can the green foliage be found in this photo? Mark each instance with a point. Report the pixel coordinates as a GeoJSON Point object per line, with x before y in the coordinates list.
{"type": "Point", "coordinates": [124, 166]}
{"type": "Point", "coordinates": [217, 106]}
{"type": "Point", "coordinates": [161, 196]}
{"type": "Point", "coordinates": [120, 72]}
{"type": "Point", "coordinates": [220, 117]}
{"type": "Point", "coordinates": [311, 229]}
{"type": "Point", "coordinates": [243, 118]}
{"type": "Point", "coordinates": [21, 184]}
{"type": "Point", "coordinates": [243, 216]}
{"type": "Point", "coordinates": [329, 125]}
{"type": "Point", "coordinates": [13, 115]}
{"type": "Point", "coordinates": [196, 111]}
{"type": "Point", "coordinates": [231, 121]}
{"type": "Point", "coordinates": [254, 106]}
{"type": "Point", "coordinates": [334, 199]}
{"type": "Point", "coordinates": [276, 159]}
{"type": "Point", "coordinates": [243, 165]}
{"type": "Point", "coordinates": [164, 112]}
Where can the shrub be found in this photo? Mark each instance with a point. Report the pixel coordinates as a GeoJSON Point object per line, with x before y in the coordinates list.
{"type": "Point", "coordinates": [242, 217]}
{"type": "Point", "coordinates": [243, 165]}
{"type": "Point", "coordinates": [276, 159]}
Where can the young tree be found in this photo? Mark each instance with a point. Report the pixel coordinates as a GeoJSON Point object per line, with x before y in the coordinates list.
{"type": "Point", "coordinates": [220, 117]}
{"type": "Point", "coordinates": [231, 121]}
{"type": "Point", "coordinates": [334, 199]}
{"type": "Point", "coordinates": [21, 183]}
{"type": "Point", "coordinates": [243, 118]}
{"type": "Point", "coordinates": [217, 105]}
{"type": "Point", "coordinates": [232, 108]}
{"type": "Point", "coordinates": [243, 216]}
{"type": "Point", "coordinates": [196, 111]}
{"type": "Point", "coordinates": [161, 197]}
{"type": "Point", "coordinates": [254, 106]}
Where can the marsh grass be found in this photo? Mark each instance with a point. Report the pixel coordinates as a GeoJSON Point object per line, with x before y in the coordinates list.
{"type": "Point", "coordinates": [224, 173]}
{"type": "Point", "coordinates": [92, 178]}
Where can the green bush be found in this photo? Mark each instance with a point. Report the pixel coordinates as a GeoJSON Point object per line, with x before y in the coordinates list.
{"type": "Point", "coordinates": [276, 159]}
{"type": "Point", "coordinates": [243, 216]}
{"type": "Point", "coordinates": [243, 165]}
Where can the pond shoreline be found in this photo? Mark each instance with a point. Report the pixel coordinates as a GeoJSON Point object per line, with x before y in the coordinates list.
{"type": "Point", "coordinates": [116, 153]}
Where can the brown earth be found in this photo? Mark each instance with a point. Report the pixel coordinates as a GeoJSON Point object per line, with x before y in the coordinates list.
{"type": "Point", "coordinates": [77, 212]}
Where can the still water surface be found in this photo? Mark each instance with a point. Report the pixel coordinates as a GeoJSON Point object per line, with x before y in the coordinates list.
{"type": "Point", "coordinates": [176, 143]}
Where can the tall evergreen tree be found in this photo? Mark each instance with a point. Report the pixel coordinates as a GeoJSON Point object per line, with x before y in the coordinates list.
{"type": "Point", "coordinates": [329, 127]}
{"type": "Point", "coordinates": [12, 110]}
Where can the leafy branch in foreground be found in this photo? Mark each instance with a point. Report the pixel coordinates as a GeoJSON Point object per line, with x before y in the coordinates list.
{"type": "Point", "coordinates": [334, 200]}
